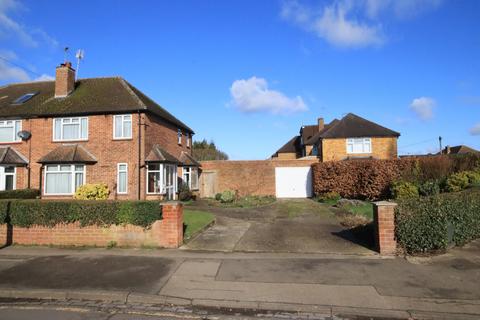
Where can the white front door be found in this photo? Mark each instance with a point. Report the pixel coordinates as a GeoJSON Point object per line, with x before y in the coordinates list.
{"type": "Point", "coordinates": [7, 178]}
{"type": "Point", "coordinates": [293, 182]}
{"type": "Point", "coordinates": [170, 180]}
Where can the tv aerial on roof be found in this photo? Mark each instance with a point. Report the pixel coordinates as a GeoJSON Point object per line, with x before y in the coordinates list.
{"type": "Point", "coordinates": [79, 55]}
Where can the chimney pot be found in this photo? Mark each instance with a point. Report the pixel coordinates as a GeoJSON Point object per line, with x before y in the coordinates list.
{"type": "Point", "coordinates": [321, 124]}
{"type": "Point", "coordinates": [64, 80]}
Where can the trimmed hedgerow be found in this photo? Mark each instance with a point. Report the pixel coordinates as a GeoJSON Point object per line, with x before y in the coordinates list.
{"type": "Point", "coordinates": [433, 223]}
{"type": "Point", "coordinates": [25, 213]}
{"type": "Point", "coordinates": [20, 194]}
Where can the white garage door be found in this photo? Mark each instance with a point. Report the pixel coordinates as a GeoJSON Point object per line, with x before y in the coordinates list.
{"type": "Point", "coordinates": [293, 182]}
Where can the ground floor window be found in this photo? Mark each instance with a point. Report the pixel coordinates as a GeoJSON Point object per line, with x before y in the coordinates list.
{"type": "Point", "coordinates": [122, 177]}
{"type": "Point", "coordinates": [161, 179]}
{"type": "Point", "coordinates": [63, 179]}
{"type": "Point", "coordinates": [8, 178]}
{"type": "Point", "coordinates": [359, 145]}
{"type": "Point", "coordinates": [190, 177]}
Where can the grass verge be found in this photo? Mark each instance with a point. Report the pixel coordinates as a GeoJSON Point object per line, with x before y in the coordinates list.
{"type": "Point", "coordinates": [195, 221]}
{"type": "Point", "coordinates": [365, 209]}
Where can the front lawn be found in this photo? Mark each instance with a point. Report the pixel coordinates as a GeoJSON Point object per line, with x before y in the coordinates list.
{"type": "Point", "coordinates": [365, 209]}
{"type": "Point", "coordinates": [195, 221]}
{"type": "Point", "coordinates": [244, 202]}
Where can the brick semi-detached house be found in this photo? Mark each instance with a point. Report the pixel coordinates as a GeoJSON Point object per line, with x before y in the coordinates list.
{"type": "Point", "coordinates": [58, 135]}
{"type": "Point", "coordinates": [352, 137]}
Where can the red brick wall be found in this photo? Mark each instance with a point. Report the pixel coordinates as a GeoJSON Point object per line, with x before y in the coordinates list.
{"type": "Point", "coordinates": [384, 221]}
{"type": "Point", "coordinates": [249, 177]}
{"type": "Point", "coordinates": [107, 151]}
{"type": "Point", "coordinates": [167, 233]}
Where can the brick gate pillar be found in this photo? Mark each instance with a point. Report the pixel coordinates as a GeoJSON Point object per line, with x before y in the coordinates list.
{"type": "Point", "coordinates": [384, 220]}
{"type": "Point", "coordinates": [171, 227]}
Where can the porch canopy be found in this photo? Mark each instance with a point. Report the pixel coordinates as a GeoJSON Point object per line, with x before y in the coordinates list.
{"type": "Point", "coordinates": [157, 154]}
{"type": "Point", "coordinates": [188, 161]}
{"type": "Point", "coordinates": [10, 156]}
{"type": "Point", "coordinates": [68, 153]}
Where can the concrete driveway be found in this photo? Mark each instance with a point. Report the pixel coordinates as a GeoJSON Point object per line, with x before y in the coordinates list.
{"type": "Point", "coordinates": [302, 226]}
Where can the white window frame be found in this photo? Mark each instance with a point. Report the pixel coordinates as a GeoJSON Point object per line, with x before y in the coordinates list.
{"type": "Point", "coordinates": [14, 174]}
{"type": "Point", "coordinates": [364, 142]}
{"type": "Point", "coordinates": [12, 124]}
{"type": "Point", "coordinates": [62, 120]}
{"type": "Point", "coordinates": [188, 139]}
{"type": "Point", "coordinates": [179, 136]}
{"type": "Point", "coordinates": [188, 173]}
{"type": "Point", "coordinates": [72, 171]}
{"type": "Point", "coordinates": [118, 178]}
{"type": "Point", "coordinates": [162, 171]}
{"type": "Point", "coordinates": [123, 116]}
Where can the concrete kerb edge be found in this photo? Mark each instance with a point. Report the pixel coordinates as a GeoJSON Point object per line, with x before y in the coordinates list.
{"type": "Point", "coordinates": [228, 305]}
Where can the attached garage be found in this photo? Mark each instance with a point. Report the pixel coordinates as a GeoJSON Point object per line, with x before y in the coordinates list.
{"type": "Point", "coordinates": [293, 182]}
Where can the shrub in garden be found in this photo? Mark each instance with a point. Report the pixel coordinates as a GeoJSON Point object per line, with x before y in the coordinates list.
{"type": "Point", "coordinates": [228, 196]}
{"type": "Point", "coordinates": [184, 192]}
{"type": "Point", "coordinates": [97, 191]}
{"type": "Point", "coordinates": [429, 188]}
{"type": "Point", "coordinates": [432, 223]}
{"type": "Point", "coordinates": [457, 182]}
{"type": "Point", "coordinates": [403, 190]}
{"type": "Point", "coordinates": [331, 196]}
{"type": "Point", "coordinates": [473, 177]}
{"type": "Point", "coordinates": [218, 196]}
{"type": "Point", "coordinates": [20, 194]}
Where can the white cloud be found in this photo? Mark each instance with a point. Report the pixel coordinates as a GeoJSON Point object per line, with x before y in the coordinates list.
{"type": "Point", "coordinates": [475, 130]}
{"type": "Point", "coordinates": [348, 23]}
{"type": "Point", "coordinates": [44, 77]}
{"type": "Point", "coordinates": [253, 95]}
{"type": "Point", "coordinates": [9, 27]}
{"type": "Point", "coordinates": [10, 72]}
{"type": "Point", "coordinates": [333, 24]}
{"type": "Point", "coordinates": [423, 107]}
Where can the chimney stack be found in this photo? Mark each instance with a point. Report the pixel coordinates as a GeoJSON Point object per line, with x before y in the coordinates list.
{"type": "Point", "coordinates": [64, 80]}
{"type": "Point", "coordinates": [321, 124]}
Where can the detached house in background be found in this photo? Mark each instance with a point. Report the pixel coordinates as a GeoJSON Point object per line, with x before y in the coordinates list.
{"type": "Point", "coordinates": [352, 137]}
{"type": "Point", "coordinates": [58, 135]}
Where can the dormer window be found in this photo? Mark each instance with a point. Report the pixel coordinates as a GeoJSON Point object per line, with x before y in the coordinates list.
{"type": "Point", "coordinates": [179, 134]}
{"type": "Point", "coordinates": [24, 98]}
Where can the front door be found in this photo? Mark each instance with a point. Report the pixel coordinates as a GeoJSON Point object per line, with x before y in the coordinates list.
{"type": "Point", "coordinates": [7, 178]}
{"type": "Point", "coordinates": [170, 180]}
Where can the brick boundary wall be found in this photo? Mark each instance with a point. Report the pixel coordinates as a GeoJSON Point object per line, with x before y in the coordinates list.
{"type": "Point", "coordinates": [384, 221]}
{"type": "Point", "coordinates": [166, 233]}
{"type": "Point", "coordinates": [248, 177]}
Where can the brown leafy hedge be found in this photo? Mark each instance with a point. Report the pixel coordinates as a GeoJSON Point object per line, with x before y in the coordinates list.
{"type": "Point", "coordinates": [358, 179]}
{"type": "Point", "coordinates": [371, 179]}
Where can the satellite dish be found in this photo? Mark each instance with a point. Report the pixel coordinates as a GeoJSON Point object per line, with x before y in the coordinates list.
{"type": "Point", "coordinates": [24, 135]}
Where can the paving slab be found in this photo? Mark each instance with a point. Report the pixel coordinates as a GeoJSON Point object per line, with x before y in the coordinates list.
{"type": "Point", "coordinates": [449, 279]}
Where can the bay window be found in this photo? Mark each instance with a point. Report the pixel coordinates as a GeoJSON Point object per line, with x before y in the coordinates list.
{"type": "Point", "coordinates": [122, 126]}
{"type": "Point", "coordinates": [9, 130]}
{"type": "Point", "coordinates": [63, 179]}
{"type": "Point", "coordinates": [359, 145]}
{"type": "Point", "coordinates": [122, 177]}
{"type": "Point", "coordinates": [161, 179]}
{"type": "Point", "coordinates": [190, 177]}
{"type": "Point", "coordinates": [70, 129]}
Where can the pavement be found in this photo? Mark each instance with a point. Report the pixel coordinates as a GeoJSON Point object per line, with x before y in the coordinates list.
{"type": "Point", "coordinates": [295, 226]}
{"type": "Point", "coordinates": [322, 286]}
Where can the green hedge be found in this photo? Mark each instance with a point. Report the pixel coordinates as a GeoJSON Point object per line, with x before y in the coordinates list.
{"type": "Point", "coordinates": [433, 223]}
{"type": "Point", "coordinates": [25, 213]}
{"type": "Point", "coordinates": [20, 194]}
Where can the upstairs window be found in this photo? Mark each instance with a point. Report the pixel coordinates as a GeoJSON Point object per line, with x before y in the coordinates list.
{"type": "Point", "coordinates": [24, 98]}
{"type": "Point", "coordinates": [70, 129]}
{"type": "Point", "coordinates": [179, 136]}
{"type": "Point", "coordinates": [188, 139]}
{"type": "Point", "coordinates": [122, 126]}
{"type": "Point", "coordinates": [359, 145]}
{"type": "Point", "coordinates": [9, 130]}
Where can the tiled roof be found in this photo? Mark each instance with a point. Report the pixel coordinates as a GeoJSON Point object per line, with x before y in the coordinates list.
{"type": "Point", "coordinates": [8, 155]}
{"type": "Point", "coordinates": [91, 96]}
{"type": "Point", "coordinates": [157, 154]}
{"type": "Point", "coordinates": [461, 149]}
{"type": "Point", "coordinates": [188, 160]}
{"type": "Point", "coordinates": [68, 153]}
{"type": "Point", "coordinates": [293, 145]}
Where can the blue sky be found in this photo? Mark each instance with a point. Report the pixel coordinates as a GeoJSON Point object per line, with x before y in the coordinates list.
{"type": "Point", "coordinates": [248, 74]}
